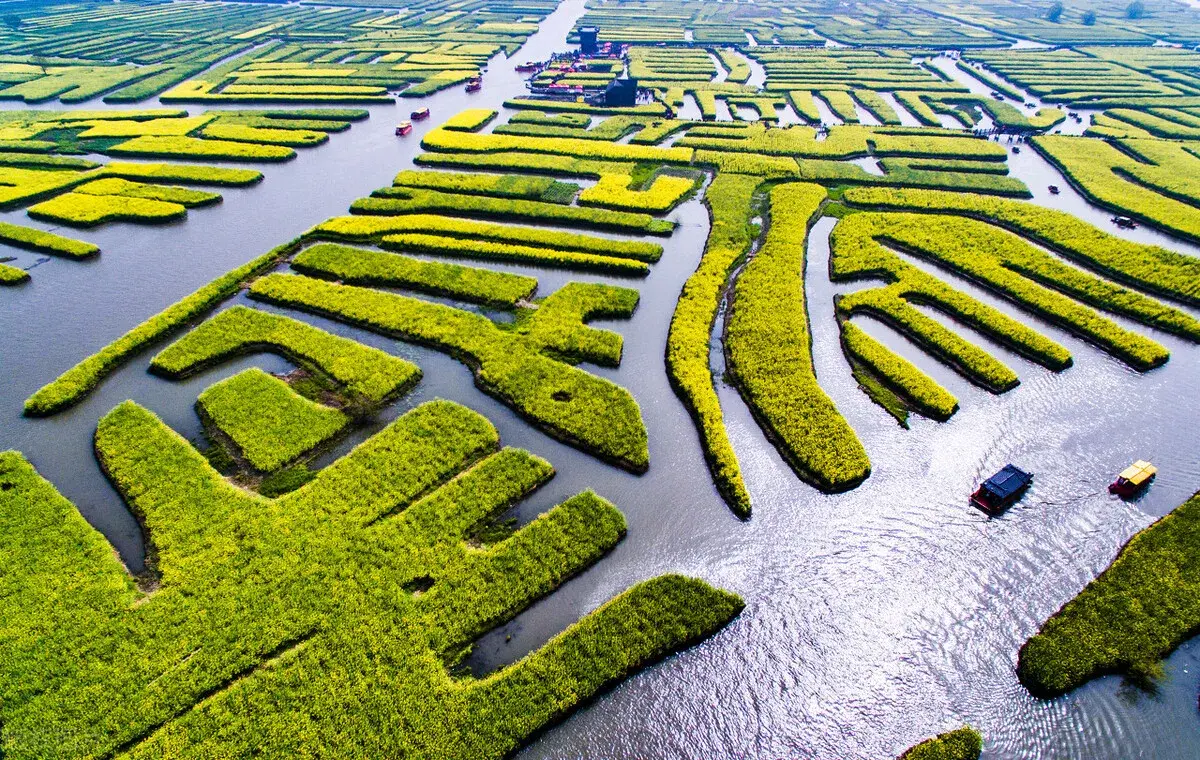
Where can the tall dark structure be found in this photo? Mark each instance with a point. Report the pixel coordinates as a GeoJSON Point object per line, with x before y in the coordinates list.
{"type": "Point", "coordinates": [587, 40]}
{"type": "Point", "coordinates": [621, 93]}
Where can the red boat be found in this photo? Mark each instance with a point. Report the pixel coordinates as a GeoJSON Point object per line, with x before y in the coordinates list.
{"type": "Point", "coordinates": [1132, 479]}
{"type": "Point", "coordinates": [419, 115]}
{"type": "Point", "coordinates": [474, 84]}
{"type": "Point", "coordinates": [403, 128]}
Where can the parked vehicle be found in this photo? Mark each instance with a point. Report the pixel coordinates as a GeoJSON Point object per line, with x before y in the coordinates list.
{"type": "Point", "coordinates": [403, 128]}
{"type": "Point", "coordinates": [1002, 490]}
{"type": "Point", "coordinates": [1133, 479]}
{"type": "Point", "coordinates": [420, 115]}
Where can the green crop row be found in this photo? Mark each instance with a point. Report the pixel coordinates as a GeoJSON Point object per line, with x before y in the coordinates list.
{"type": "Point", "coordinates": [748, 163]}
{"type": "Point", "coordinates": [856, 254]}
{"type": "Point", "coordinates": [1033, 279]}
{"type": "Point", "coordinates": [10, 275]}
{"type": "Point", "coordinates": [45, 242]}
{"type": "Point", "coordinates": [183, 174]}
{"type": "Point", "coordinates": [879, 108]}
{"type": "Point", "coordinates": [373, 228]}
{"type": "Point", "coordinates": [729, 203]}
{"type": "Point", "coordinates": [558, 324]}
{"type": "Point", "coordinates": [735, 64]}
{"type": "Point", "coordinates": [194, 147]}
{"type": "Point", "coordinates": [359, 266]}
{"type": "Point", "coordinates": [68, 388]}
{"type": "Point", "coordinates": [402, 200]}
{"type": "Point", "coordinates": [320, 581]}
{"type": "Point", "coordinates": [1114, 180]}
{"type": "Point", "coordinates": [577, 407]}
{"type": "Point", "coordinates": [269, 423]}
{"type": "Point", "coordinates": [920, 390]}
{"type": "Point", "coordinates": [85, 210]}
{"type": "Point", "coordinates": [502, 185]}
{"type": "Point", "coordinates": [365, 373]}
{"type": "Point", "coordinates": [516, 161]}
{"type": "Point", "coordinates": [960, 744]}
{"type": "Point", "coordinates": [850, 141]}
{"type": "Point", "coordinates": [470, 120]}
{"type": "Point", "coordinates": [770, 350]}
{"type": "Point", "coordinates": [613, 191]}
{"type": "Point", "coordinates": [1144, 605]}
{"type": "Point", "coordinates": [444, 140]}
{"type": "Point", "coordinates": [129, 189]}
{"type": "Point", "coordinates": [513, 252]}
{"type": "Point", "coordinates": [294, 138]}
{"type": "Point", "coordinates": [577, 120]}
{"type": "Point", "coordinates": [649, 109]}
{"type": "Point", "coordinates": [1151, 267]}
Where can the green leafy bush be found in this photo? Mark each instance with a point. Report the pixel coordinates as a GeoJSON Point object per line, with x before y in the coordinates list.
{"type": "Point", "coordinates": [269, 423]}
{"type": "Point", "coordinates": [1144, 605]}
{"type": "Point", "coordinates": [364, 372]}
{"type": "Point", "coordinates": [960, 744]}
{"type": "Point", "coordinates": [359, 266]}
{"type": "Point", "coordinates": [770, 350]}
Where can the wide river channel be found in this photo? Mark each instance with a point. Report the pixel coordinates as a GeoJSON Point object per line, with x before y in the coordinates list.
{"type": "Point", "coordinates": [874, 618]}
